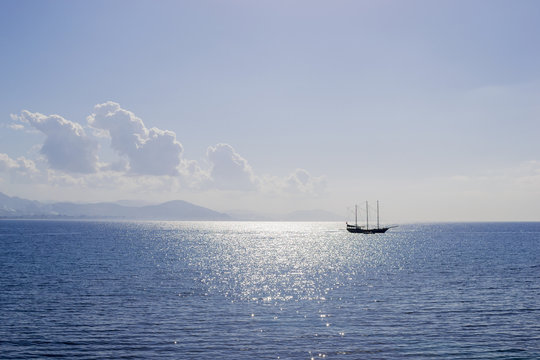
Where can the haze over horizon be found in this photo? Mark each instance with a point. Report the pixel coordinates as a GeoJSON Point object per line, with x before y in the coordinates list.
{"type": "Point", "coordinates": [275, 106]}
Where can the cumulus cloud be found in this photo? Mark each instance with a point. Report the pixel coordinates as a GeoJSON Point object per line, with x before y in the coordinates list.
{"type": "Point", "coordinates": [229, 170]}
{"type": "Point", "coordinates": [149, 151]}
{"type": "Point", "coordinates": [302, 181]}
{"type": "Point", "coordinates": [116, 166]}
{"type": "Point", "coordinates": [66, 146]}
{"type": "Point", "coordinates": [151, 157]}
{"type": "Point", "coordinates": [193, 176]}
{"type": "Point", "coordinates": [20, 166]}
{"type": "Point", "coordinates": [16, 126]}
{"type": "Point", "coordinates": [299, 182]}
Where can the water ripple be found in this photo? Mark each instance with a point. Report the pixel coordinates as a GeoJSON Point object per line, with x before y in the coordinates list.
{"type": "Point", "coordinates": [169, 290]}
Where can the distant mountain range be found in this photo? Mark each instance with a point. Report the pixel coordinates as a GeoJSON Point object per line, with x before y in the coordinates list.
{"type": "Point", "coordinates": [14, 207]}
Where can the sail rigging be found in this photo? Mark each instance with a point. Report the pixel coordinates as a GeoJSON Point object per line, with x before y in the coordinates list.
{"type": "Point", "coordinates": [366, 229]}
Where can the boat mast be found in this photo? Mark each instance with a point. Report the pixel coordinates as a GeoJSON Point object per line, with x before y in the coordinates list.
{"type": "Point", "coordinates": [367, 216]}
{"type": "Point", "coordinates": [356, 215]}
{"type": "Point", "coordinates": [377, 214]}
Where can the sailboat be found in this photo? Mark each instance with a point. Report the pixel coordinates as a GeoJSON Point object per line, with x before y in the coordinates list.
{"type": "Point", "coordinates": [366, 230]}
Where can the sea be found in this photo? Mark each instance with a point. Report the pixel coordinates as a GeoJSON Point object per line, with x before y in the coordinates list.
{"type": "Point", "coordinates": [268, 290]}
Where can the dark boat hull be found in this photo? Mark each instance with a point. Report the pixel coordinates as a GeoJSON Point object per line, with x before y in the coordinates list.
{"type": "Point", "coordinates": [358, 230]}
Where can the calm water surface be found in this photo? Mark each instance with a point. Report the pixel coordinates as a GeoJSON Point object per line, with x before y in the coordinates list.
{"type": "Point", "coordinates": [237, 290]}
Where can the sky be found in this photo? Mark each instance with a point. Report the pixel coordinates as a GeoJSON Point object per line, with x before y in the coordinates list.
{"type": "Point", "coordinates": [431, 107]}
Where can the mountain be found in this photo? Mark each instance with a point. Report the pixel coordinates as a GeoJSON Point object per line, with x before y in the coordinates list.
{"type": "Point", "coordinates": [134, 202]}
{"type": "Point", "coordinates": [13, 207]}
{"type": "Point", "coordinates": [175, 210]}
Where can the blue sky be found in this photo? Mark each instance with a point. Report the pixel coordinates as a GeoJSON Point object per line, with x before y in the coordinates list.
{"type": "Point", "coordinates": [429, 106]}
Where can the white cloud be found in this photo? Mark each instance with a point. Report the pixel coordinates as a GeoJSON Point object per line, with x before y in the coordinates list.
{"type": "Point", "coordinates": [109, 185]}
{"type": "Point", "coordinates": [229, 170]}
{"type": "Point", "coordinates": [302, 181]}
{"type": "Point", "coordinates": [16, 126]}
{"type": "Point", "coordinates": [21, 168]}
{"type": "Point", "coordinates": [7, 163]}
{"type": "Point", "coordinates": [299, 182]}
{"type": "Point", "coordinates": [149, 151]}
{"type": "Point", "coordinates": [193, 176]}
{"type": "Point", "coordinates": [66, 146]}
{"type": "Point", "coordinates": [159, 154]}
{"type": "Point", "coordinates": [150, 162]}
{"type": "Point", "coordinates": [125, 129]}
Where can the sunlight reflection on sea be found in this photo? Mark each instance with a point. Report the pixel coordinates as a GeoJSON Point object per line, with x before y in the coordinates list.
{"type": "Point", "coordinates": [234, 290]}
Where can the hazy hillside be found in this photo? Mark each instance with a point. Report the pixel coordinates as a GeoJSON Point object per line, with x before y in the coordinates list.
{"type": "Point", "coordinates": [13, 207]}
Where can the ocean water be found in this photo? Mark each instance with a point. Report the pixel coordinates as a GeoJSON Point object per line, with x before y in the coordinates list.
{"type": "Point", "coordinates": [247, 290]}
